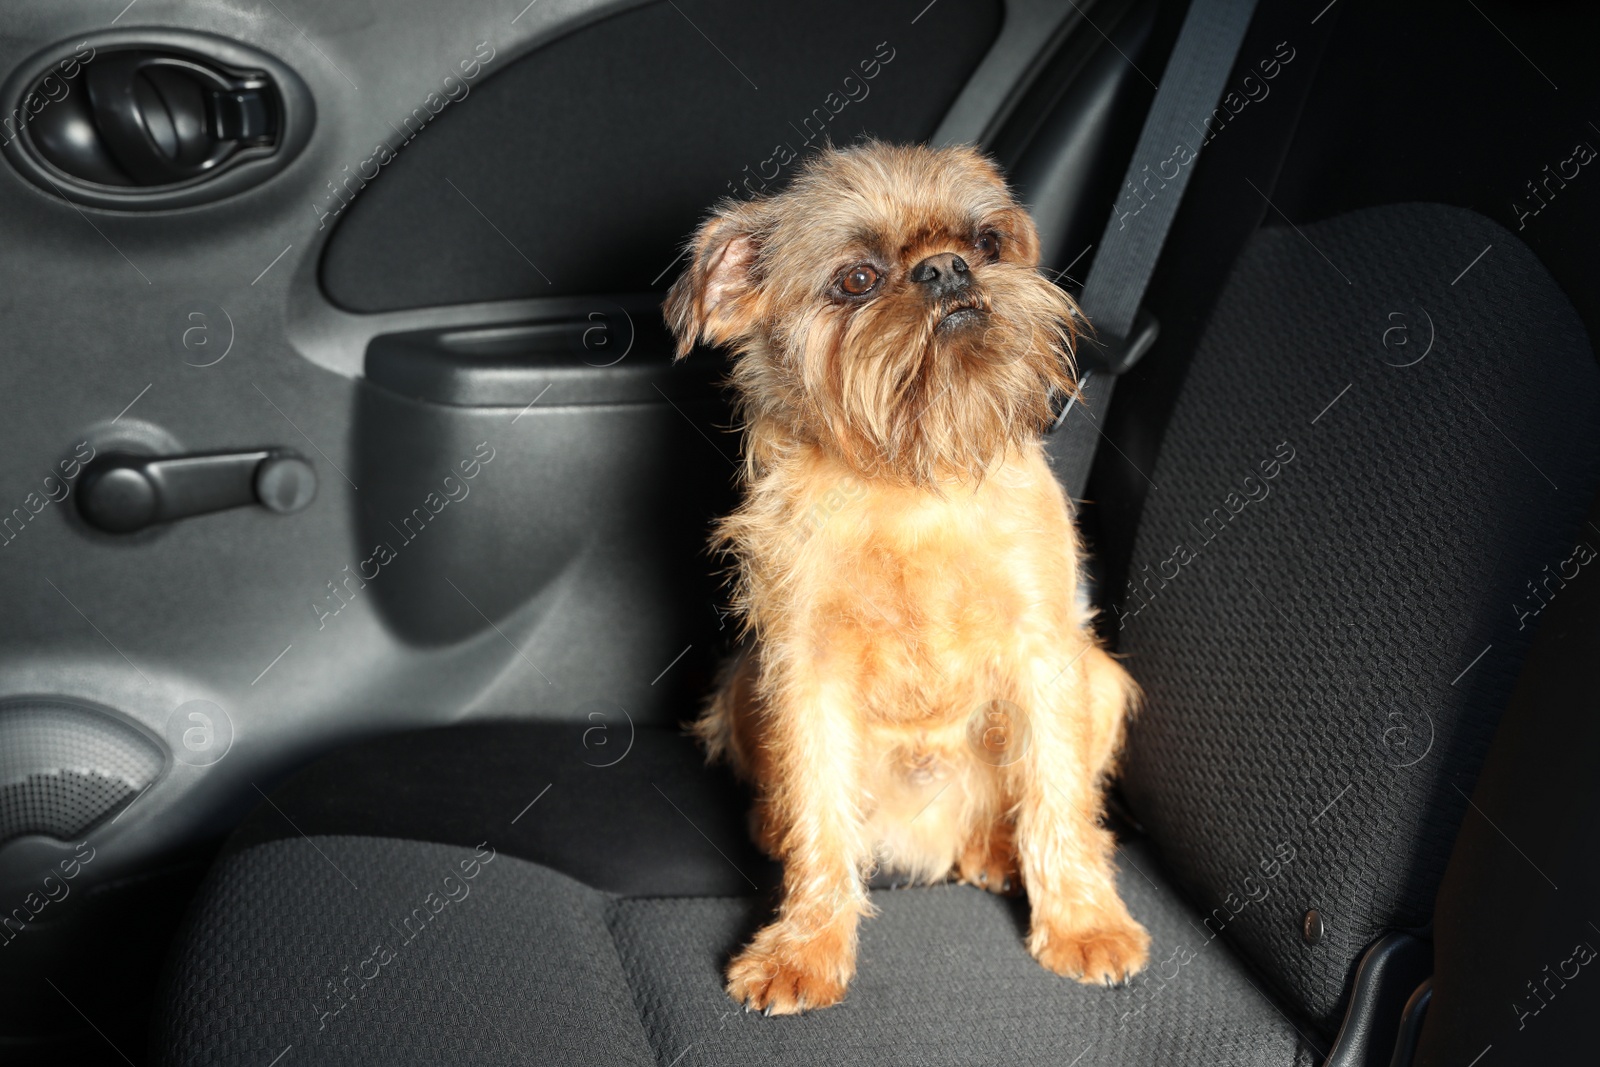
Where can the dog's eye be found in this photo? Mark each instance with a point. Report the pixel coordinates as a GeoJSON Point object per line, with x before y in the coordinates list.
{"type": "Point", "coordinates": [988, 243]}
{"type": "Point", "coordinates": [859, 280]}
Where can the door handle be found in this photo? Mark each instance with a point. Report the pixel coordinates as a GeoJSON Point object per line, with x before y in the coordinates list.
{"type": "Point", "coordinates": [123, 493]}
{"type": "Point", "coordinates": [167, 118]}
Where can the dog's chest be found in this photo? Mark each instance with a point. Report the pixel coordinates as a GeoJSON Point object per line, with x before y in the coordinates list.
{"type": "Point", "coordinates": [923, 598]}
{"type": "Point", "coordinates": [938, 571]}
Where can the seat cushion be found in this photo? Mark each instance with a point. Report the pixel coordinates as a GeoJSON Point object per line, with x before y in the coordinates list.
{"type": "Point", "coordinates": [367, 950]}
{"type": "Point", "coordinates": [353, 948]}
{"type": "Point", "coordinates": [944, 978]}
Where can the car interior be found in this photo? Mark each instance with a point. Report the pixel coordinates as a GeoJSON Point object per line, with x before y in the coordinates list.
{"type": "Point", "coordinates": [356, 518]}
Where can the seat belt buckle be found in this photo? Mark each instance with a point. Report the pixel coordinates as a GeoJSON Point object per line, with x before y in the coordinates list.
{"type": "Point", "coordinates": [1106, 359]}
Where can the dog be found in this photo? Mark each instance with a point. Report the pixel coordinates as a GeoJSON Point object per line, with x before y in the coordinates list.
{"type": "Point", "coordinates": [919, 689]}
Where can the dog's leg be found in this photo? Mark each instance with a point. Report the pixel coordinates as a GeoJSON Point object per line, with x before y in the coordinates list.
{"type": "Point", "coordinates": [1080, 927]}
{"type": "Point", "coordinates": [989, 858]}
{"type": "Point", "coordinates": [806, 956]}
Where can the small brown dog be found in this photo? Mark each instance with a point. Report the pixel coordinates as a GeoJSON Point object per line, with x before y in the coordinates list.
{"type": "Point", "coordinates": [920, 691]}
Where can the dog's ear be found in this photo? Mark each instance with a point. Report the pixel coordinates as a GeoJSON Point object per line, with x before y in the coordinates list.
{"type": "Point", "coordinates": [1024, 235]}
{"type": "Point", "coordinates": [711, 299]}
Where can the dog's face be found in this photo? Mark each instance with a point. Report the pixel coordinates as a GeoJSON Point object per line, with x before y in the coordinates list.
{"type": "Point", "coordinates": [887, 305]}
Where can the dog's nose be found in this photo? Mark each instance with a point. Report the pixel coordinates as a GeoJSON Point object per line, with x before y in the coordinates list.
{"type": "Point", "coordinates": [944, 273]}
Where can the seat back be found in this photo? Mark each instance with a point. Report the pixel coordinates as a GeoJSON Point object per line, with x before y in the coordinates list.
{"type": "Point", "coordinates": [1368, 489]}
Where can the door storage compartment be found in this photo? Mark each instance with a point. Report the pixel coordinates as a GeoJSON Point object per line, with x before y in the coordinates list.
{"type": "Point", "coordinates": [581, 352]}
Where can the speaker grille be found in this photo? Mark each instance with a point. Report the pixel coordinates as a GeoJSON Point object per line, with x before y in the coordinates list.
{"type": "Point", "coordinates": [66, 766]}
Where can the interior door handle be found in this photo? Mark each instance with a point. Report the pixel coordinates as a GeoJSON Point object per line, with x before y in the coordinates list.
{"type": "Point", "coordinates": [168, 118]}
{"type": "Point", "coordinates": [122, 493]}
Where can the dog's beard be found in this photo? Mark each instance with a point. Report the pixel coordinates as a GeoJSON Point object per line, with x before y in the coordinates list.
{"type": "Point", "coordinates": [922, 392]}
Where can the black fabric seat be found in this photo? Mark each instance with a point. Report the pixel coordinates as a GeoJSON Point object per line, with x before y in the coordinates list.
{"type": "Point", "coordinates": [340, 951]}
{"type": "Point", "coordinates": [1326, 647]}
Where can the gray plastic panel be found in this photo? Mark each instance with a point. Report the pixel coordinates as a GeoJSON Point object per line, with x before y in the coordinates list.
{"type": "Point", "coordinates": [202, 329]}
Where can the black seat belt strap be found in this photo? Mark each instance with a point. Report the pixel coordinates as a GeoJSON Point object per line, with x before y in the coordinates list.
{"type": "Point", "coordinates": [1174, 130]}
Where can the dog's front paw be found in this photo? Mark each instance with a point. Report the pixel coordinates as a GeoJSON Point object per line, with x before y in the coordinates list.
{"type": "Point", "coordinates": [786, 978]}
{"type": "Point", "coordinates": [1104, 950]}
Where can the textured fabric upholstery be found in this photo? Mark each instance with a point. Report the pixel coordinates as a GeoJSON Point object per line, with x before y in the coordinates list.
{"type": "Point", "coordinates": [1306, 660]}
{"type": "Point", "coordinates": [360, 950]}
{"type": "Point", "coordinates": [944, 978]}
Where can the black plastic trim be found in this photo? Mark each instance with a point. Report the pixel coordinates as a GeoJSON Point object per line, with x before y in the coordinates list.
{"type": "Point", "coordinates": [1405, 1046]}
{"type": "Point", "coordinates": [1387, 974]}
{"type": "Point", "coordinates": [1067, 140]}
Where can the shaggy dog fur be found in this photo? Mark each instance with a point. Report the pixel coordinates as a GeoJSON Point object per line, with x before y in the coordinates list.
{"type": "Point", "coordinates": [920, 690]}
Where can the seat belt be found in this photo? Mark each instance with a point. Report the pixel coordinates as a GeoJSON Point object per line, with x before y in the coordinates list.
{"type": "Point", "coordinates": [1173, 134]}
